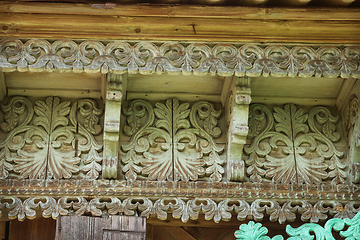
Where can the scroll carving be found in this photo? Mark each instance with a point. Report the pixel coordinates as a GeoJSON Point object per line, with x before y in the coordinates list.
{"type": "Point", "coordinates": [178, 208]}
{"type": "Point", "coordinates": [351, 117]}
{"type": "Point", "coordinates": [47, 140]}
{"type": "Point", "coordinates": [172, 141]}
{"type": "Point", "coordinates": [291, 145]}
{"type": "Point", "coordinates": [199, 58]}
{"type": "Point", "coordinates": [237, 121]}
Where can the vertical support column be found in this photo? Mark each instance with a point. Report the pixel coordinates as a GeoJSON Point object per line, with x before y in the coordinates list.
{"type": "Point", "coordinates": [237, 106]}
{"type": "Point", "coordinates": [114, 94]}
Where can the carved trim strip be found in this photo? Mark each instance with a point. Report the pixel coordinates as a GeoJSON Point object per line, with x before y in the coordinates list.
{"type": "Point", "coordinates": [171, 57]}
{"type": "Point", "coordinates": [246, 190]}
{"type": "Point", "coordinates": [179, 208]}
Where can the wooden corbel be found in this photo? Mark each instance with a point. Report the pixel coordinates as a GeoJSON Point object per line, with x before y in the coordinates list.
{"type": "Point", "coordinates": [353, 127]}
{"type": "Point", "coordinates": [115, 93]}
{"type": "Point", "coordinates": [237, 109]}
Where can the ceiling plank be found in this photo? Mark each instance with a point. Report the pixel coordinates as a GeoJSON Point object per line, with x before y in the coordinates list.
{"type": "Point", "coordinates": [235, 24]}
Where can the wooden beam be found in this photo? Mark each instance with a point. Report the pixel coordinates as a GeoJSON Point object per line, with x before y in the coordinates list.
{"type": "Point", "coordinates": [180, 96]}
{"type": "Point", "coordinates": [295, 100]}
{"type": "Point", "coordinates": [50, 92]}
{"type": "Point", "coordinates": [235, 24]}
{"type": "Point", "coordinates": [184, 11]}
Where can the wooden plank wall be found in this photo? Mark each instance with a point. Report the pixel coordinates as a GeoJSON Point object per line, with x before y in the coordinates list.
{"type": "Point", "coordinates": [36, 229]}
{"type": "Point", "coordinates": [112, 228]}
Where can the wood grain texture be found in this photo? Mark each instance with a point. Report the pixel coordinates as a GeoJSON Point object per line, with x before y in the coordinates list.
{"type": "Point", "coordinates": [112, 228]}
{"type": "Point", "coordinates": [182, 23]}
{"type": "Point", "coordinates": [37, 229]}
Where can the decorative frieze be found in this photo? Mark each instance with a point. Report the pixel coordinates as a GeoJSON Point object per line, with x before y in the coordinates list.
{"type": "Point", "coordinates": [172, 141]}
{"type": "Point", "coordinates": [179, 208]}
{"type": "Point", "coordinates": [174, 58]}
{"type": "Point", "coordinates": [292, 145]}
{"type": "Point", "coordinates": [50, 138]}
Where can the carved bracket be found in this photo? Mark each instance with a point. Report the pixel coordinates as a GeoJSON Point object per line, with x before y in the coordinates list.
{"type": "Point", "coordinates": [237, 119]}
{"type": "Point", "coordinates": [115, 91]}
{"type": "Point", "coordinates": [351, 116]}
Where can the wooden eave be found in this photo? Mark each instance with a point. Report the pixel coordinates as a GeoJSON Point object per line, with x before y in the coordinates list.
{"type": "Point", "coordinates": [180, 23]}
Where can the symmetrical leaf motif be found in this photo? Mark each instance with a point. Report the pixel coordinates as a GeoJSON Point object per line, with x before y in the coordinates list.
{"type": "Point", "coordinates": [292, 145]}
{"type": "Point", "coordinates": [170, 147]}
{"type": "Point", "coordinates": [172, 57]}
{"type": "Point", "coordinates": [182, 208]}
{"type": "Point", "coordinates": [44, 145]}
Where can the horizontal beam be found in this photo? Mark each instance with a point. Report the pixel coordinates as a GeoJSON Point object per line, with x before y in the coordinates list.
{"type": "Point", "coordinates": [182, 23]}
{"type": "Point", "coordinates": [38, 55]}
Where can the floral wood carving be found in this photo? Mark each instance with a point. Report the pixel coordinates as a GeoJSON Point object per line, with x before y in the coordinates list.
{"type": "Point", "coordinates": [349, 230]}
{"type": "Point", "coordinates": [293, 146]}
{"type": "Point", "coordinates": [172, 141]}
{"type": "Point", "coordinates": [46, 140]}
{"type": "Point", "coordinates": [179, 208]}
{"type": "Point", "coordinates": [199, 58]}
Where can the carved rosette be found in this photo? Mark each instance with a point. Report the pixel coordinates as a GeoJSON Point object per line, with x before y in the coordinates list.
{"type": "Point", "coordinates": [291, 145]}
{"type": "Point", "coordinates": [50, 139]}
{"type": "Point", "coordinates": [172, 141]}
{"type": "Point", "coordinates": [198, 58]}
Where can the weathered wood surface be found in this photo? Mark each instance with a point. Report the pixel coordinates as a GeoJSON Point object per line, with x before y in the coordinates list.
{"type": "Point", "coordinates": [111, 228]}
{"type": "Point", "coordinates": [172, 23]}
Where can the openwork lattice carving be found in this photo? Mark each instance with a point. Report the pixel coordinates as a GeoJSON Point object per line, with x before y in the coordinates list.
{"type": "Point", "coordinates": [172, 141]}
{"type": "Point", "coordinates": [349, 229]}
{"type": "Point", "coordinates": [291, 145]}
{"type": "Point", "coordinates": [198, 58]}
{"type": "Point", "coordinates": [46, 140]}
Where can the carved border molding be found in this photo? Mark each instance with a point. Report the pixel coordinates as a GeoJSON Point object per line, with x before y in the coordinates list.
{"type": "Point", "coordinates": [184, 209]}
{"type": "Point", "coordinates": [215, 190]}
{"type": "Point", "coordinates": [171, 57]}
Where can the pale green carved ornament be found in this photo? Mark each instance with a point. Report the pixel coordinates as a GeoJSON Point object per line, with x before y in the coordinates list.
{"type": "Point", "coordinates": [349, 230]}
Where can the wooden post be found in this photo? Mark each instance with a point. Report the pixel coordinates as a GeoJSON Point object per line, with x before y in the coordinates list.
{"type": "Point", "coordinates": [114, 95]}
{"type": "Point", "coordinates": [113, 228]}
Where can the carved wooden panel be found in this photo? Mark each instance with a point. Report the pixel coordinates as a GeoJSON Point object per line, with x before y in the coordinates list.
{"type": "Point", "coordinates": [291, 144]}
{"type": "Point", "coordinates": [172, 141]}
{"type": "Point", "coordinates": [50, 138]}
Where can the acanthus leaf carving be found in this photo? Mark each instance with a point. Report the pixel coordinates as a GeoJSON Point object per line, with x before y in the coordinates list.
{"type": "Point", "coordinates": [293, 146]}
{"type": "Point", "coordinates": [171, 143]}
{"type": "Point", "coordinates": [49, 140]}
